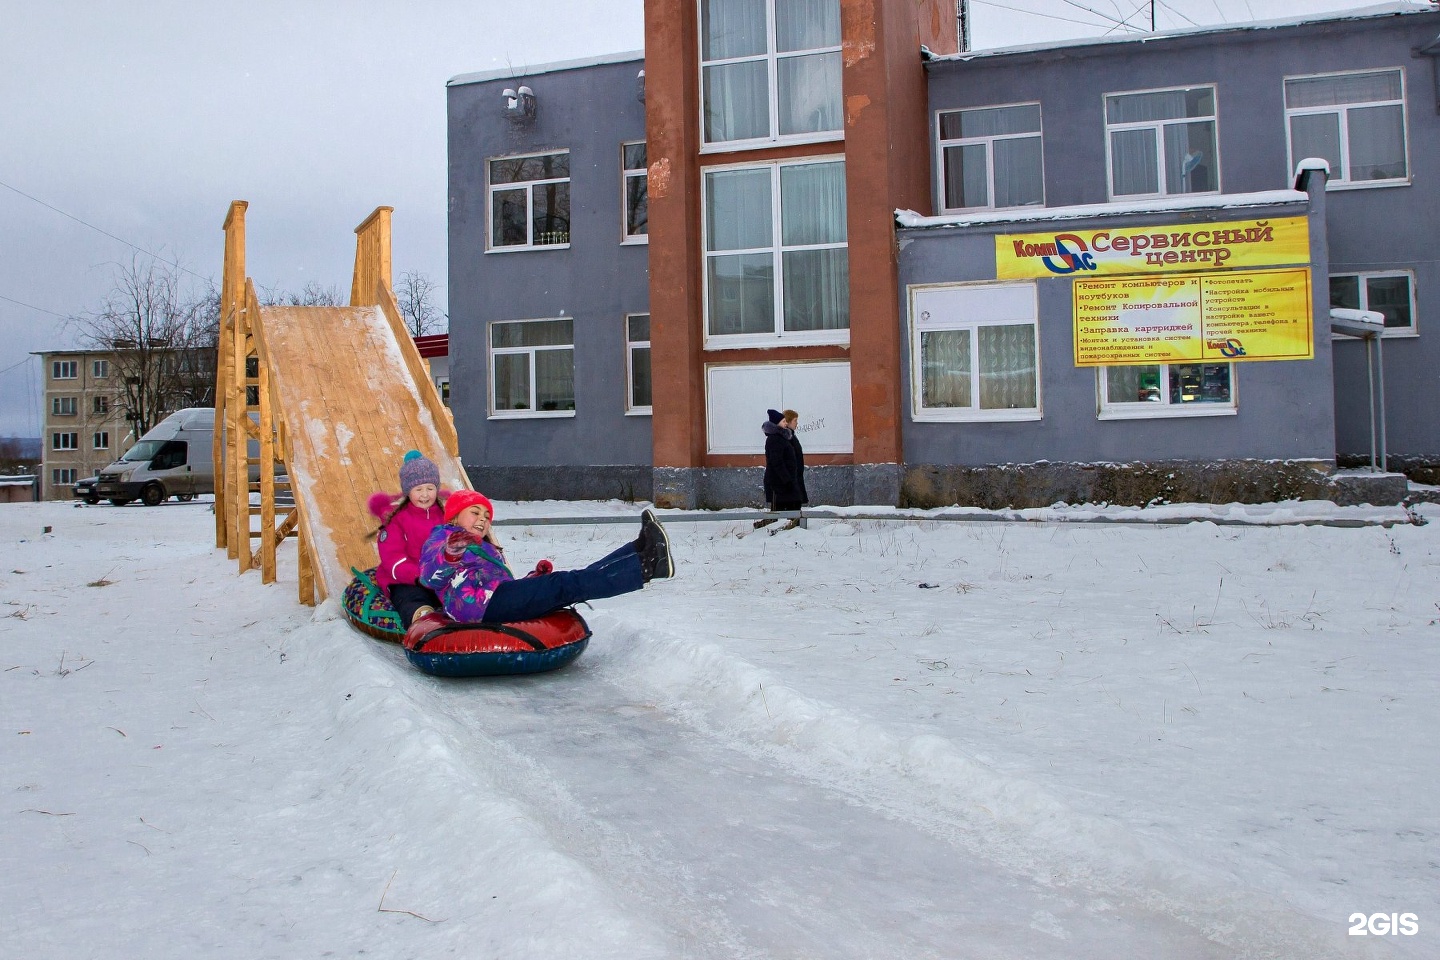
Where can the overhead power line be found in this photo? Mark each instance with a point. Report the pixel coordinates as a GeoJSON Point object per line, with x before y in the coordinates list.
{"type": "Point", "coordinates": [33, 307]}
{"type": "Point", "coordinates": [174, 263]}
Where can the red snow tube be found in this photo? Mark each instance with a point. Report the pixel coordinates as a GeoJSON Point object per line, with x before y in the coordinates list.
{"type": "Point", "coordinates": [448, 649]}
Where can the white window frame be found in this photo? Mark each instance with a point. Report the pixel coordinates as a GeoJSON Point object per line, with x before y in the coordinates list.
{"type": "Point", "coordinates": [972, 414]}
{"type": "Point", "coordinates": [1340, 179]}
{"type": "Point", "coordinates": [65, 440]}
{"type": "Point", "coordinates": [631, 409]}
{"type": "Point", "coordinates": [1163, 408]}
{"type": "Point", "coordinates": [63, 476]}
{"type": "Point", "coordinates": [772, 58]}
{"type": "Point", "coordinates": [777, 251]}
{"type": "Point", "coordinates": [1362, 275]}
{"type": "Point", "coordinates": [989, 142]}
{"type": "Point", "coordinates": [100, 369]}
{"type": "Point", "coordinates": [493, 351]}
{"type": "Point", "coordinates": [101, 440]}
{"type": "Point", "coordinates": [64, 370]}
{"type": "Point", "coordinates": [626, 175]}
{"type": "Point", "coordinates": [64, 406]}
{"type": "Point", "coordinates": [1158, 126]}
{"type": "Point", "coordinates": [529, 185]}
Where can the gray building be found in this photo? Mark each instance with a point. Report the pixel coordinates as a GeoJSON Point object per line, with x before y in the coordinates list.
{"type": "Point", "coordinates": [1069, 184]}
{"type": "Point", "coordinates": [549, 286]}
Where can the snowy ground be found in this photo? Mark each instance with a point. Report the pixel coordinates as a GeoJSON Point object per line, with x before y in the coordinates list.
{"type": "Point", "coordinates": [886, 739]}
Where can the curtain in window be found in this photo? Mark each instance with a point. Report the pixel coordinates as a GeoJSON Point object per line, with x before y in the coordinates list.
{"type": "Point", "coordinates": [555, 379]}
{"type": "Point", "coordinates": [737, 101]}
{"type": "Point", "coordinates": [816, 282]}
{"type": "Point", "coordinates": [732, 28]}
{"type": "Point", "coordinates": [741, 293]}
{"type": "Point", "coordinates": [1007, 366]}
{"type": "Point", "coordinates": [945, 368]}
{"type": "Point", "coordinates": [1144, 107]}
{"type": "Point", "coordinates": [806, 24]}
{"type": "Point", "coordinates": [737, 210]}
{"type": "Point", "coordinates": [640, 377]}
{"type": "Point", "coordinates": [809, 93]}
{"type": "Point", "coordinates": [1132, 163]}
{"type": "Point", "coordinates": [967, 181]}
{"type": "Point", "coordinates": [1377, 143]}
{"type": "Point", "coordinates": [1190, 157]}
{"type": "Point", "coordinates": [1349, 88]}
{"type": "Point", "coordinates": [1317, 135]}
{"type": "Point", "coordinates": [1019, 172]}
{"type": "Point", "coordinates": [512, 381]}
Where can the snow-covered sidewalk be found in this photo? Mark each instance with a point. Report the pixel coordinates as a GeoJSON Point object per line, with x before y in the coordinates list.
{"type": "Point", "coordinates": [862, 739]}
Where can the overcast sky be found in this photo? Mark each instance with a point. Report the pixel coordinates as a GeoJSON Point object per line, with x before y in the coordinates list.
{"type": "Point", "coordinates": [145, 119]}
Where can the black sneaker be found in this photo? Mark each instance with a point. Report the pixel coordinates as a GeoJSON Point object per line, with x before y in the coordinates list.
{"type": "Point", "coordinates": [654, 549]}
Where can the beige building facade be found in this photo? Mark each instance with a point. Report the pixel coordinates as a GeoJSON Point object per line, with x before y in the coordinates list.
{"type": "Point", "coordinates": [84, 419]}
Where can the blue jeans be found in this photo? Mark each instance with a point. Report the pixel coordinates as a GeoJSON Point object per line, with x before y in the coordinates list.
{"type": "Point", "coordinates": [514, 600]}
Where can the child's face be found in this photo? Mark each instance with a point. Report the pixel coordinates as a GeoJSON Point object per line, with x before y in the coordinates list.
{"type": "Point", "coordinates": [474, 520]}
{"type": "Point", "coordinates": [423, 495]}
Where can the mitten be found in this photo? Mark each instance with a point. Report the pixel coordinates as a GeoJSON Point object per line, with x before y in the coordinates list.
{"type": "Point", "coordinates": [542, 568]}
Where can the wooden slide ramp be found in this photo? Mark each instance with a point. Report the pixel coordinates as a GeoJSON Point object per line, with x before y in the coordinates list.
{"type": "Point", "coordinates": [326, 400]}
{"type": "Point", "coordinates": [351, 410]}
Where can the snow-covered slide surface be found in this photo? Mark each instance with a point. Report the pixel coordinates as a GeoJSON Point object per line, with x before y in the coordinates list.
{"type": "Point", "coordinates": [1074, 742]}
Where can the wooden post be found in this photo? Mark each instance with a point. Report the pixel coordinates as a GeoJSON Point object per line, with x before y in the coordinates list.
{"type": "Point", "coordinates": [267, 464]}
{"type": "Point", "coordinates": [231, 292]}
{"type": "Point", "coordinates": [372, 257]}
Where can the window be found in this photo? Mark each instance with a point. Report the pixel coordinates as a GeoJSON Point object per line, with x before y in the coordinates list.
{"type": "Point", "coordinates": [64, 370]}
{"type": "Point", "coordinates": [1356, 121]}
{"type": "Point", "coordinates": [637, 362]}
{"type": "Point", "coordinates": [532, 367]}
{"type": "Point", "coordinates": [102, 440]}
{"type": "Point", "coordinates": [1389, 292]}
{"type": "Point", "coordinates": [990, 157]}
{"type": "Point", "coordinates": [444, 387]}
{"type": "Point", "coordinates": [776, 261]}
{"type": "Point", "coordinates": [100, 405]}
{"type": "Point", "coordinates": [1162, 142]}
{"type": "Point", "coordinates": [100, 369]}
{"type": "Point", "coordinates": [64, 441]}
{"type": "Point", "coordinates": [770, 70]}
{"type": "Point", "coordinates": [637, 193]}
{"type": "Point", "coordinates": [1167, 390]}
{"type": "Point", "coordinates": [530, 201]}
{"type": "Point", "coordinates": [63, 476]}
{"type": "Point", "coordinates": [63, 406]}
{"type": "Point", "coordinates": [974, 353]}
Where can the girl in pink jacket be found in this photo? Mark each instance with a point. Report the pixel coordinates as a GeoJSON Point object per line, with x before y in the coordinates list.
{"type": "Point", "coordinates": [405, 523]}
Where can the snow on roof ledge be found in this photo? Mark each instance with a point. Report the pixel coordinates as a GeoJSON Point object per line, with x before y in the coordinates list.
{"type": "Point", "coordinates": [515, 73]}
{"type": "Point", "coordinates": [1233, 201]}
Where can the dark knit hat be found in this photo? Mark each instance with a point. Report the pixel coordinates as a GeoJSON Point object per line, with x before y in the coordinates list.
{"type": "Point", "coordinates": [462, 499]}
{"type": "Point", "coordinates": [774, 415]}
{"type": "Point", "coordinates": [417, 470]}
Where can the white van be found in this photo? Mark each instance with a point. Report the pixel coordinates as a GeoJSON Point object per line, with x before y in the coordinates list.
{"type": "Point", "coordinates": [174, 459]}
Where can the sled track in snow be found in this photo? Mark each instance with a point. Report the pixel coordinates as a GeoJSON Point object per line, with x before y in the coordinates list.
{"type": "Point", "coordinates": [746, 821]}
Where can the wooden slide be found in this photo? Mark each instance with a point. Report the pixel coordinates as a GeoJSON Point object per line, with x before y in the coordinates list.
{"type": "Point", "coordinates": [333, 397]}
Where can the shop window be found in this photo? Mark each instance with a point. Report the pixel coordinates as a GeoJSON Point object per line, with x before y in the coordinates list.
{"type": "Point", "coordinates": [1167, 390]}
{"type": "Point", "coordinates": [777, 264]}
{"type": "Point", "coordinates": [1162, 142]}
{"type": "Point", "coordinates": [637, 193]}
{"type": "Point", "coordinates": [1356, 121]}
{"type": "Point", "coordinates": [974, 352]}
{"type": "Point", "coordinates": [532, 368]}
{"type": "Point", "coordinates": [530, 201]}
{"type": "Point", "coordinates": [64, 441]}
{"type": "Point", "coordinates": [990, 158]}
{"type": "Point", "coordinates": [1389, 292]}
{"type": "Point", "coordinates": [770, 70]}
{"type": "Point", "coordinates": [64, 370]}
{"type": "Point", "coordinates": [637, 363]}
{"type": "Point", "coordinates": [63, 406]}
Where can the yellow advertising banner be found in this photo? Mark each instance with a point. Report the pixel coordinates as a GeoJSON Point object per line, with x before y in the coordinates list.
{"type": "Point", "coordinates": [1194, 318]}
{"type": "Point", "coordinates": [1283, 241]}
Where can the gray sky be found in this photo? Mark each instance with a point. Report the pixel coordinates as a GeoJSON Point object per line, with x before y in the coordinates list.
{"type": "Point", "coordinates": [145, 119]}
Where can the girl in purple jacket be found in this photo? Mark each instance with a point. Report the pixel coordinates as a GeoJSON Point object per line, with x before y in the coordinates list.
{"type": "Point", "coordinates": [405, 523]}
{"type": "Point", "coordinates": [464, 565]}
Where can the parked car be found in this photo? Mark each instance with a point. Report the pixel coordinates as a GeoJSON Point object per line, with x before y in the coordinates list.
{"type": "Point", "coordinates": [85, 490]}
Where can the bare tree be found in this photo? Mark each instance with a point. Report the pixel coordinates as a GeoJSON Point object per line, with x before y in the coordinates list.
{"type": "Point", "coordinates": [161, 341]}
{"type": "Point", "coordinates": [313, 294]}
{"type": "Point", "coordinates": [416, 293]}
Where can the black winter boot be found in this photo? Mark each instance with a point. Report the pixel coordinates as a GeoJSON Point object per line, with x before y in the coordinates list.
{"type": "Point", "coordinates": [653, 546]}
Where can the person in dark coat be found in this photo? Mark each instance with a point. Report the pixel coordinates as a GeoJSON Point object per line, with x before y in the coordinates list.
{"type": "Point", "coordinates": [784, 465]}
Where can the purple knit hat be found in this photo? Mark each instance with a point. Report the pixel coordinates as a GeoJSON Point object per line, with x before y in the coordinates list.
{"type": "Point", "coordinates": [417, 470]}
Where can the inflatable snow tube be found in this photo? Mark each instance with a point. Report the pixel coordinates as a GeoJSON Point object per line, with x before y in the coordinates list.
{"type": "Point", "coordinates": [448, 649]}
{"type": "Point", "coordinates": [368, 608]}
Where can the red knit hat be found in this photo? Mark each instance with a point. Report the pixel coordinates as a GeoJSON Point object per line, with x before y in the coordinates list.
{"type": "Point", "coordinates": [461, 499]}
